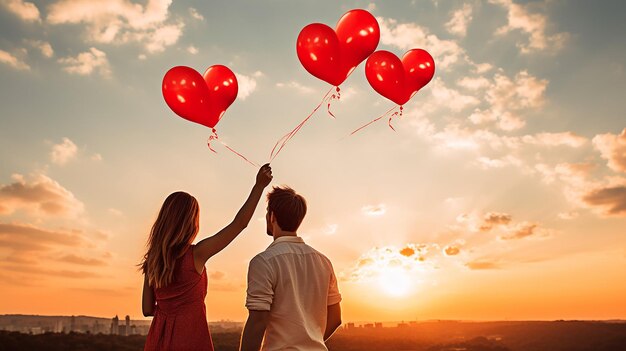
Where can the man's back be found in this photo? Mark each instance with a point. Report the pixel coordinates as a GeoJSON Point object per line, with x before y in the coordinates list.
{"type": "Point", "coordinates": [296, 284]}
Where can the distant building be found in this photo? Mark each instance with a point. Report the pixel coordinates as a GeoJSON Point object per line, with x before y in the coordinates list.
{"type": "Point", "coordinates": [368, 326]}
{"type": "Point", "coordinates": [127, 328]}
{"type": "Point", "coordinates": [378, 325]}
{"type": "Point", "coordinates": [349, 326]}
{"type": "Point", "coordinates": [402, 325]}
{"type": "Point", "coordinates": [115, 322]}
{"type": "Point", "coordinates": [58, 326]}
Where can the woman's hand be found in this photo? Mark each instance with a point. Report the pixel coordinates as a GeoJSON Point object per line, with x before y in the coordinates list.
{"type": "Point", "coordinates": [264, 176]}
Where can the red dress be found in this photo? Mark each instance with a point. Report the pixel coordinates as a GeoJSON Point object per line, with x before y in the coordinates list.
{"type": "Point", "coordinates": [179, 321]}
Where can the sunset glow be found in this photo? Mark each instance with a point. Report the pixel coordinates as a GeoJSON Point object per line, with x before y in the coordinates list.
{"type": "Point", "coordinates": [500, 194]}
{"type": "Point", "coordinates": [395, 282]}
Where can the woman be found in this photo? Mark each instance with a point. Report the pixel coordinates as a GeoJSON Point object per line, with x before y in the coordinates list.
{"type": "Point", "coordinates": [175, 281]}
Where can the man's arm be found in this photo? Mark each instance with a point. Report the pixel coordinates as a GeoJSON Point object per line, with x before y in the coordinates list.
{"type": "Point", "coordinates": [254, 331]}
{"type": "Point", "coordinates": [333, 320]}
{"type": "Point", "coordinates": [208, 247]}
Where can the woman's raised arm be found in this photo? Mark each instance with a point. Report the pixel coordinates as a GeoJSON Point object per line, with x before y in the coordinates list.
{"type": "Point", "coordinates": [216, 243]}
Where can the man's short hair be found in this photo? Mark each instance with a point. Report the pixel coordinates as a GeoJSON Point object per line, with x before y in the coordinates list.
{"type": "Point", "coordinates": [288, 207]}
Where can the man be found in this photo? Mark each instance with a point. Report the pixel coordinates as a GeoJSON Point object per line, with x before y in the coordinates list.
{"type": "Point", "coordinates": [292, 298]}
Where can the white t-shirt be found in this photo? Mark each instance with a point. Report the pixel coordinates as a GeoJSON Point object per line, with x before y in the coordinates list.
{"type": "Point", "coordinates": [296, 283]}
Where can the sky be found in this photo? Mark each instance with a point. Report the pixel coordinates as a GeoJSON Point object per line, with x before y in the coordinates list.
{"type": "Point", "coordinates": [501, 194]}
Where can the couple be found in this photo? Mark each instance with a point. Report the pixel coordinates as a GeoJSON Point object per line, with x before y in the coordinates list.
{"type": "Point", "coordinates": [292, 295]}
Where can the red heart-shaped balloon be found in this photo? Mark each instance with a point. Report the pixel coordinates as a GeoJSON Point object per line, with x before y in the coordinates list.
{"type": "Point", "coordinates": [200, 99]}
{"type": "Point", "coordinates": [331, 55]}
{"type": "Point", "coordinates": [399, 80]}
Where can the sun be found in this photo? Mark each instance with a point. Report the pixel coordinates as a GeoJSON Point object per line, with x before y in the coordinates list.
{"type": "Point", "coordinates": [395, 282]}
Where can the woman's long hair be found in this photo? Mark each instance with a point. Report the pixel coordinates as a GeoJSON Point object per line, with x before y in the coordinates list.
{"type": "Point", "coordinates": [174, 229]}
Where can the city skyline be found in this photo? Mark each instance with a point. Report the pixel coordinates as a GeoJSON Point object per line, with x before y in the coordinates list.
{"type": "Point", "coordinates": [501, 195]}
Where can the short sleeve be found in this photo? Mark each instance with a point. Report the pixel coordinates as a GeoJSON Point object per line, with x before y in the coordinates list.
{"type": "Point", "coordinates": [334, 296]}
{"type": "Point", "coordinates": [260, 293]}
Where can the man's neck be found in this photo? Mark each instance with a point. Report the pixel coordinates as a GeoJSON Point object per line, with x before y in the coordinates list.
{"type": "Point", "coordinates": [283, 233]}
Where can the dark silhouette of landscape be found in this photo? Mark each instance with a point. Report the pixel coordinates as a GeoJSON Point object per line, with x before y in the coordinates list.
{"type": "Point", "coordinates": [413, 336]}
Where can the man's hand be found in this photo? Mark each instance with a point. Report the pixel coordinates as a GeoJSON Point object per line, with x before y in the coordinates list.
{"type": "Point", "coordinates": [264, 176]}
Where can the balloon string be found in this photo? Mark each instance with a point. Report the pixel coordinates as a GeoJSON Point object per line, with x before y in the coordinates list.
{"type": "Point", "coordinates": [375, 120]}
{"type": "Point", "coordinates": [240, 155]}
{"type": "Point", "coordinates": [214, 136]}
{"type": "Point", "coordinates": [285, 139]}
{"type": "Point", "coordinates": [399, 114]}
{"type": "Point", "coordinates": [331, 98]}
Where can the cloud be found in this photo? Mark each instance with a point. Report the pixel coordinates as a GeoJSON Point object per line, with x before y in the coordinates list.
{"type": "Point", "coordinates": [195, 14]}
{"type": "Point", "coordinates": [526, 230]}
{"type": "Point", "coordinates": [96, 157]}
{"type": "Point", "coordinates": [507, 96]}
{"type": "Point", "coordinates": [482, 265]}
{"type": "Point", "coordinates": [612, 200]}
{"type": "Point", "coordinates": [501, 100]}
{"type": "Point", "coordinates": [555, 139]}
{"type": "Point", "coordinates": [612, 148]}
{"type": "Point", "coordinates": [488, 163]}
{"type": "Point", "coordinates": [36, 270]}
{"type": "Point", "coordinates": [163, 37]}
{"type": "Point", "coordinates": [379, 261]}
{"type": "Point", "coordinates": [27, 11]}
{"type": "Point", "coordinates": [574, 175]}
{"type": "Point", "coordinates": [451, 98]}
{"type": "Point", "coordinates": [293, 85]}
{"type": "Point", "coordinates": [534, 25]}
{"type": "Point", "coordinates": [407, 251]}
{"type": "Point", "coordinates": [88, 62]}
{"type": "Point", "coordinates": [502, 224]}
{"type": "Point", "coordinates": [451, 250]}
{"type": "Point", "coordinates": [493, 219]}
{"type": "Point", "coordinates": [374, 210]}
{"type": "Point", "coordinates": [39, 195]}
{"type": "Point", "coordinates": [474, 83]}
{"type": "Point", "coordinates": [64, 152]}
{"type": "Point", "coordinates": [247, 84]}
{"type": "Point", "coordinates": [82, 260]}
{"type": "Point", "coordinates": [35, 250]}
{"type": "Point", "coordinates": [44, 47]}
{"type": "Point", "coordinates": [481, 68]}
{"type": "Point", "coordinates": [27, 237]}
{"type": "Point", "coordinates": [192, 50]}
{"type": "Point", "coordinates": [460, 20]}
{"type": "Point", "coordinates": [406, 36]}
{"type": "Point", "coordinates": [607, 196]}
{"type": "Point", "coordinates": [120, 21]}
{"type": "Point", "coordinates": [13, 61]}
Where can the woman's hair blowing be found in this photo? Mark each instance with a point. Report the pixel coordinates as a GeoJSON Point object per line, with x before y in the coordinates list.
{"type": "Point", "coordinates": [174, 229]}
